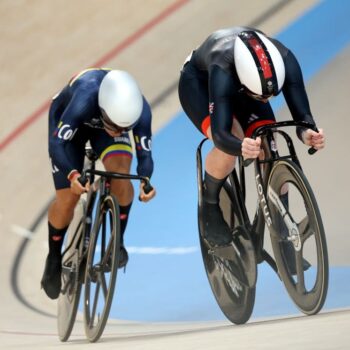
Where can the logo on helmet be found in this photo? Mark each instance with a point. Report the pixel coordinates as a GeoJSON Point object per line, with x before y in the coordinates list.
{"type": "Point", "coordinates": [269, 85]}
{"type": "Point", "coordinates": [259, 64]}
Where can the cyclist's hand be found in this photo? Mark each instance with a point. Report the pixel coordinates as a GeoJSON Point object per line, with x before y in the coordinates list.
{"type": "Point", "coordinates": [146, 197]}
{"type": "Point", "coordinates": [76, 187]}
{"type": "Point", "coordinates": [313, 138]}
{"type": "Point", "coordinates": [251, 148]}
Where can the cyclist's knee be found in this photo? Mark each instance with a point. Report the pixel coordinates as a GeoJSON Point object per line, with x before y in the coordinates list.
{"type": "Point", "coordinates": [118, 164]}
{"type": "Point", "coordinates": [219, 164]}
{"type": "Point", "coordinates": [123, 190]}
{"type": "Point", "coordinates": [222, 157]}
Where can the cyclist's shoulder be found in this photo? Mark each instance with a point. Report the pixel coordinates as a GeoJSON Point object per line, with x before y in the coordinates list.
{"type": "Point", "coordinates": [88, 81]}
{"type": "Point", "coordinates": [79, 99]}
{"type": "Point", "coordinates": [91, 75]}
{"type": "Point", "coordinates": [220, 40]}
{"type": "Point", "coordinates": [146, 108]}
{"type": "Point", "coordinates": [218, 48]}
{"type": "Point", "coordinates": [281, 47]}
{"type": "Point", "coordinates": [83, 87]}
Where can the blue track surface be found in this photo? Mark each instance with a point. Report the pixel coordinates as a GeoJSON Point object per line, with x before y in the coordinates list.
{"type": "Point", "coordinates": [171, 285]}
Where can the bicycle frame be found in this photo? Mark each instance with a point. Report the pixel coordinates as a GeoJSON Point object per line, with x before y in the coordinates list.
{"type": "Point", "coordinates": [271, 155]}
{"type": "Point", "coordinates": [96, 222]}
{"type": "Point", "coordinates": [102, 186]}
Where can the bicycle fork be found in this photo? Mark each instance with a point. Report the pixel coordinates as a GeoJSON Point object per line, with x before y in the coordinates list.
{"type": "Point", "coordinates": [294, 234]}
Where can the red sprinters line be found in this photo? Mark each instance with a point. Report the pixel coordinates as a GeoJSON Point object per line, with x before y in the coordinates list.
{"type": "Point", "coordinates": [102, 61]}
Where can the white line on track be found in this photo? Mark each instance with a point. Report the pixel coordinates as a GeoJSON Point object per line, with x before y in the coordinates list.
{"type": "Point", "coordinates": [158, 250]}
{"type": "Point", "coordinates": [162, 250]}
{"type": "Point", "coordinates": [21, 231]}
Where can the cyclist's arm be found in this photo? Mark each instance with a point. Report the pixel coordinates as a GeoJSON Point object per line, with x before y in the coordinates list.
{"type": "Point", "coordinates": [143, 141]}
{"type": "Point", "coordinates": [222, 88]}
{"type": "Point", "coordinates": [72, 118]}
{"type": "Point", "coordinates": [295, 93]}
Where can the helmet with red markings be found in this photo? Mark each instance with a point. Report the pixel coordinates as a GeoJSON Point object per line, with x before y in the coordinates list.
{"type": "Point", "coordinates": [259, 64]}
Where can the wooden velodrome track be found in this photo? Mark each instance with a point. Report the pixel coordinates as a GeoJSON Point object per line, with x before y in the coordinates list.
{"type": "Point", "coordinates": [43, 44]}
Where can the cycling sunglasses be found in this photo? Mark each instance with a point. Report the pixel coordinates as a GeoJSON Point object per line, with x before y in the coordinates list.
{"type": "Point", "coordinates": [109, 125]}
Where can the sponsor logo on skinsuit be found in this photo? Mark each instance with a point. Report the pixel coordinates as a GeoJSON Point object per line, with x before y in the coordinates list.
{"type": "Point", "coordinates": [65, 132]}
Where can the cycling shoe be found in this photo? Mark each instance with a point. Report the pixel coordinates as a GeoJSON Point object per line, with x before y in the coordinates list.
{"type": "Point", "coordinates": [51, 280]}
{"type": "Point", "coordinates": [216, 231]}
{"type": "Point", "coordinates": [124, 257]}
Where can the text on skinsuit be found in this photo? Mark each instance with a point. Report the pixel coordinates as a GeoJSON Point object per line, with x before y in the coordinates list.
{"type": "Point", "coordinates": [66, 133]}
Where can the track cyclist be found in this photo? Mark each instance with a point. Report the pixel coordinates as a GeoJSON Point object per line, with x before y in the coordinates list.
{"type": "Point", "coordinates": [224, 88]}
{"type": "Point", "coordinates": [99, 106]}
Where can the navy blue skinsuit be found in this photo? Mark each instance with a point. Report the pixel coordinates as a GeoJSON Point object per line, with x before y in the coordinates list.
{"type": "Point", "coordinates": [75, 118]}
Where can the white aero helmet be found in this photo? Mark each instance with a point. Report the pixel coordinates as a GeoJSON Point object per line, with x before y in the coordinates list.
{"type": "Point", "coordinates": [259, 64]}
{"type": "Point", "coordinates": [120, 100]}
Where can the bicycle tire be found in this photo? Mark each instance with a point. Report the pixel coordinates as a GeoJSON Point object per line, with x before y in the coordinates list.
{"type": "Point", "coordinates": [68, 300]}
{"type": "Point", "coordinates": [308, 290]}
{"type": "Point", "coordinates": [101, 268]}
{"type": "Point", "coordinates": [229, 282]}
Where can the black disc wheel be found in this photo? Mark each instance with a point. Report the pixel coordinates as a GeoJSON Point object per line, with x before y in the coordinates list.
{"type": "Point", "coordinates": [297, 236]}
{"type": "Point", "coordinates": [68, 300]}
{"type": "Point", "coordinates": [101, 267]}
{"type": "Point", "coordinates": [232, 276]}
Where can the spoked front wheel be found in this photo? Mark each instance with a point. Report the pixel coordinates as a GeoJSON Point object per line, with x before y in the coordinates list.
{"type": "Point", "coordinates": [101, 268]}
{"type": "Point", "coordinates": [297, 236]}
{"type": "Point", "coordinates": [69, 297]}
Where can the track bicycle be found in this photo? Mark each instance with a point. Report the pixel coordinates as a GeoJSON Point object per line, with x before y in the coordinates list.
{"type": "Point", "coordinates": [288, 208]}
{"type": "Point", "coordinates": [92, 252]}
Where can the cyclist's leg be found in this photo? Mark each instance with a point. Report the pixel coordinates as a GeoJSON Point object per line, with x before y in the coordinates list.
{"type": "Point", "coordinates": [61, 209]}
{"type": "Point", "coordinates": [194, 98]}
{"type": "Point", "coordinates": [60, 214]}
{"type": "Point", "coordinates": [218, 163]}
{"type": "Point", "coordinates": [116, 155]}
